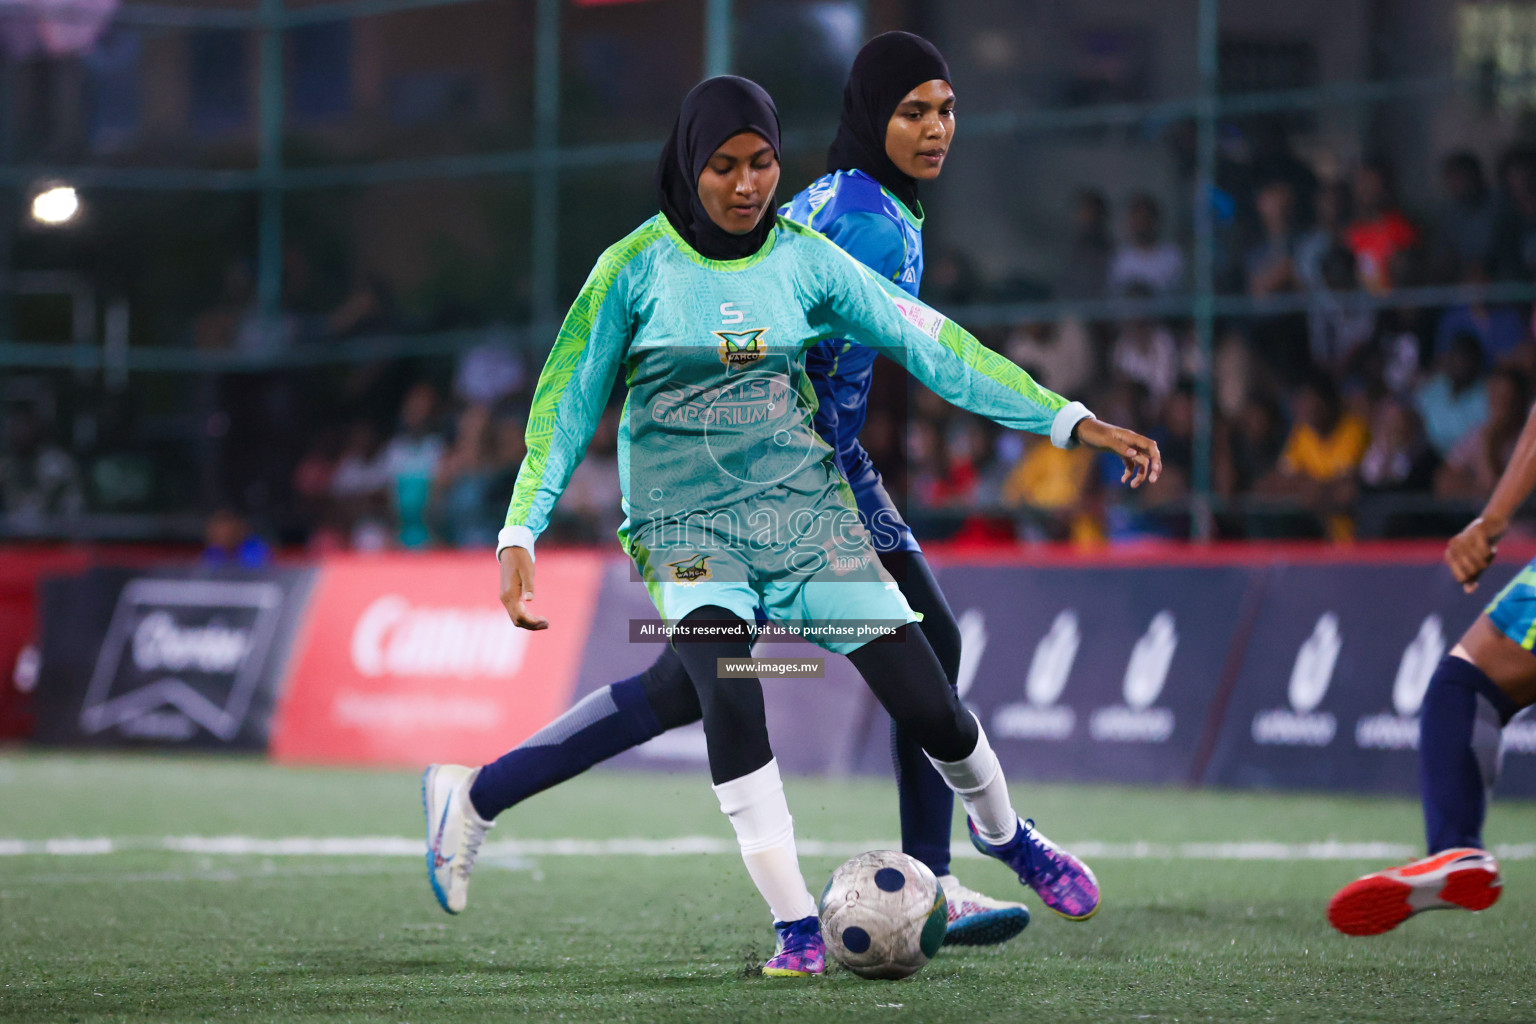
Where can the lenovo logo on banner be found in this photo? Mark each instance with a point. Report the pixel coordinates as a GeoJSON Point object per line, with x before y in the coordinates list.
{"type": "Point", "coordinates": [1302, 725]}
{"type": "Point", "coordinates": [393, 637]}
{"type": "Point", "coordinates": [1400, 731]}
{"type": "Point", "coordinates": [1041, 718]}
{"type": "Point", "coordinates": [1138, 720]}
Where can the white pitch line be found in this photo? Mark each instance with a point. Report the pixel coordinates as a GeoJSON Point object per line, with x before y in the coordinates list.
{"type": "Point", "coordinates": [399, 846]}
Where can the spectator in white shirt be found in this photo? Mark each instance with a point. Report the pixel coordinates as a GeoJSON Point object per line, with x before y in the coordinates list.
{"type": "Point", "coordinates": [1144, 258]}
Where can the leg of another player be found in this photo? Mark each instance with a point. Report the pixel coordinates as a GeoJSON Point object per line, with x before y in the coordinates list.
{"type": "Point", "coordinates": [462, 803]}
{"type": "Point", "coordinates": [1483, 683]}
{"type": "Point", "coordinates": [926, 801]}
{"type": "Point", "coordinates": [905, 676]}
{"type": "Point", "coordinates": [1476, 689]}
{"type": "Point", "coordinates": [751, 793]}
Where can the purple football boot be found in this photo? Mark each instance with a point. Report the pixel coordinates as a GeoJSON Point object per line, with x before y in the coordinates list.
{"type": "Point", "coordinates": [801, 954]}
{"type": "Point", "coordinates": [1063, 883]}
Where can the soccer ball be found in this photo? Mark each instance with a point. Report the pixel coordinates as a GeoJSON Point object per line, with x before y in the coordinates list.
{"type": "Point", "coordinates": [883, 915]}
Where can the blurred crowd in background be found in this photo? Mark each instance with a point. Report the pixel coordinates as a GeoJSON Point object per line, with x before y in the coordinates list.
{"type": "Point", "coordinates": [1332, 418]}
{"type": "Point", "coordinates": [366, 384]}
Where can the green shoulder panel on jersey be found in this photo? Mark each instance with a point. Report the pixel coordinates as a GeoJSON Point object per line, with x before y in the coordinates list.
{"type": "Point", "coordinates": [569, 348]}
{"type": "Point", "coordinates": [994, 366]}
{"type": "Point", "coordinates": [951, 335]}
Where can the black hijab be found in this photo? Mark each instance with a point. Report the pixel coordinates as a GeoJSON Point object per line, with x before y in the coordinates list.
{"type": "Point", "coordinates": [890, 66]}
{"type": "Point", "coordinates": [716, 110]}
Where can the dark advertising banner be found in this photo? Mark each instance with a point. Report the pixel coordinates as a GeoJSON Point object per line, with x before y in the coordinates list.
{"type": "Point", "coordinates": [1334, 675]}
{"type": "Point", "coordinates": [1101, 673]}
{"type": "Point", "coordinates": [191, 658]}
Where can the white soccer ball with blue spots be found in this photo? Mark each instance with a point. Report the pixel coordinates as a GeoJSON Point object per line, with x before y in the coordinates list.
{"type": "Point", "coordinates": [883, 915]}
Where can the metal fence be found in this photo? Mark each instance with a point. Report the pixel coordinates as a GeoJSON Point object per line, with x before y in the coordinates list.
{"type": "Point", "coordinates": [546, 163]}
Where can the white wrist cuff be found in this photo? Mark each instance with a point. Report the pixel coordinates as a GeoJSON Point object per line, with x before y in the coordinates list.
{"type": "Point", "coordinates": [517, 537]}
{"type": "Point", "coordinates": [1067, 418]}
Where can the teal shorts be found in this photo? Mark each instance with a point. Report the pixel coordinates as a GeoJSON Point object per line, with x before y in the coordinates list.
{"type": "Point", "coordinates": [802, 560]}
{"type": "Point", "coordinates": [1514, 609]}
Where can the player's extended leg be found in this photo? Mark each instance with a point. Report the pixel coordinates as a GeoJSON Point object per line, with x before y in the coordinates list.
{"type": "Point", "coordinates": [905, 676]}
{"type": "Point", "coordinates": [746, 780]}
{"type": "Point", "coordinates": [462, 803]}
{"type": "Point", "coordinates": [926, 801]}
{"type": "Point", "coordinates": [1477, 688]}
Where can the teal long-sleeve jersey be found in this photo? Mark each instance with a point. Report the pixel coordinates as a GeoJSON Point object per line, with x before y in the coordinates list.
{"type": "Point", "coordinates": [719, 406]}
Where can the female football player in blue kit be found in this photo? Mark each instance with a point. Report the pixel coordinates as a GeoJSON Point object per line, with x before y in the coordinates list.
{"type": "Point", "coordinates": [461, 802]}
{"type": "Point", "coordinates": [1488, 678]}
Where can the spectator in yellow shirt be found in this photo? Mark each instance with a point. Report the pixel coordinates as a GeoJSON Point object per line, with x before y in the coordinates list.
{"type": "Point", "coordinates": [1056, 483]}
{"type": "Point", "coordinates": [1317, 466]}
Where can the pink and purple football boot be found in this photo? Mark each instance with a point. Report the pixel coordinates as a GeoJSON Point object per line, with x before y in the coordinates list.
{"type": "Point", "coordinates": [1063, 883]}
{"type": "Point", "coordinates": [801, 953]}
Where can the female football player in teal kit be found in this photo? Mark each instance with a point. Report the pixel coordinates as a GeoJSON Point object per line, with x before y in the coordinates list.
{"type": "Point", "coordinates": [718, 258]}
{"type": "Point", "coordinates": [1487, 679]}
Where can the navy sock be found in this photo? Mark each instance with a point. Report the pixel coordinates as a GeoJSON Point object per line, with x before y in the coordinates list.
{"type": "Point", "coordinates": [926, 801]}
{"type": "Point", "coordinates": [604, 723]}
{"type": "Point", "coordinates": [1459, 732]}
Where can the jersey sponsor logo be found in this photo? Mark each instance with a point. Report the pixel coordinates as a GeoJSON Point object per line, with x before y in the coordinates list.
{"type": "Point", "coordinates": [1400, 729]}
{"type": "Point", "coordinates": [819, 192]}
{"type": "Point", "coordinates": [929, 321]}
{"type": "Point", "coordinates": [730, 315]}
{"type": "Point", "coordinates": [691, 570]}
{"type": "Point", "coordinates": [1137, 720]}
{"type": "Point", "coordinates": [741, 348]}
{"type": "Point", "coordinates": [750, 401]}
{"type": "Point", "coordinates": [1040, 717]}
{"type": "Point", "coordinates": [909, 276]}
{"type": "Point", "coordinates": [396, 638]}
{"type": "Point", "coordinates": [1302, 725]}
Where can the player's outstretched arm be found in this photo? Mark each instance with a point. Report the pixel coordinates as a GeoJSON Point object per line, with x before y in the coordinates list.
{"type": "Point", "coordinates": [955, 365]}
{"type": "Point", "coordinates": [573, 388]}
{"type": "Point", "coordinates": [1472, 551]}
{"type": "Point", "coordinates": [1143, 462]}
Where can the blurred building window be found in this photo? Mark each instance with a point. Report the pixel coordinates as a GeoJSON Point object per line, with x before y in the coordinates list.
{"type": "Point", "coordinates": [434, 97]}
{"type": "Point", "coordinates": [1496, 42]}
{"type": "Point", "coordinates": [113, 72]}
{"type": "Point", "coordinates": [1109, 65]}
{"type": "Point", "coordinates": [220, 77]}
{"type": "Point", "coordinates": [1270, 65]}
{"type": "Point", "coordinates": [320, 84]}
{"type": "Point", "coordinates": [823, 36]}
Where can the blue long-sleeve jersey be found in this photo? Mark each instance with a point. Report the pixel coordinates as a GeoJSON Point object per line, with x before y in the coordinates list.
{"type": "Point", "coordinates": [875, 228]}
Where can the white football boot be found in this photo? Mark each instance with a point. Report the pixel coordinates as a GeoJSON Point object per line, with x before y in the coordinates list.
{"type": "Point", "coordinates": [976, 919]}
{"type": "Point", "coordinates": [454, 832]}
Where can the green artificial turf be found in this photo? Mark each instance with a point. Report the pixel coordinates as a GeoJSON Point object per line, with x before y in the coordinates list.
{"type": "Point", "coordinates": [141, 934]}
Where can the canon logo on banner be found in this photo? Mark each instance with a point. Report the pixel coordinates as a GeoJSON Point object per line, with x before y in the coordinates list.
{"type": "Point", "coordinates": [395, 638]}
{"type": "Point", "coordinates": [160, 644]}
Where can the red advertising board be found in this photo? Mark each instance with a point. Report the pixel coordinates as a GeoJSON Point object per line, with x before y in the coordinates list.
{"type": "Point", "coordinates": [406, 660]}
{"type": "Point", "coordinates": [21, 566]}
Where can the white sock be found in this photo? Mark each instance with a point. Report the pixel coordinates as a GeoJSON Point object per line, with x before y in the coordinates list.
{"type": "Point", "coordinates": [978, 781]}
{"type": "Point", "coordinates": [758, 811]}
